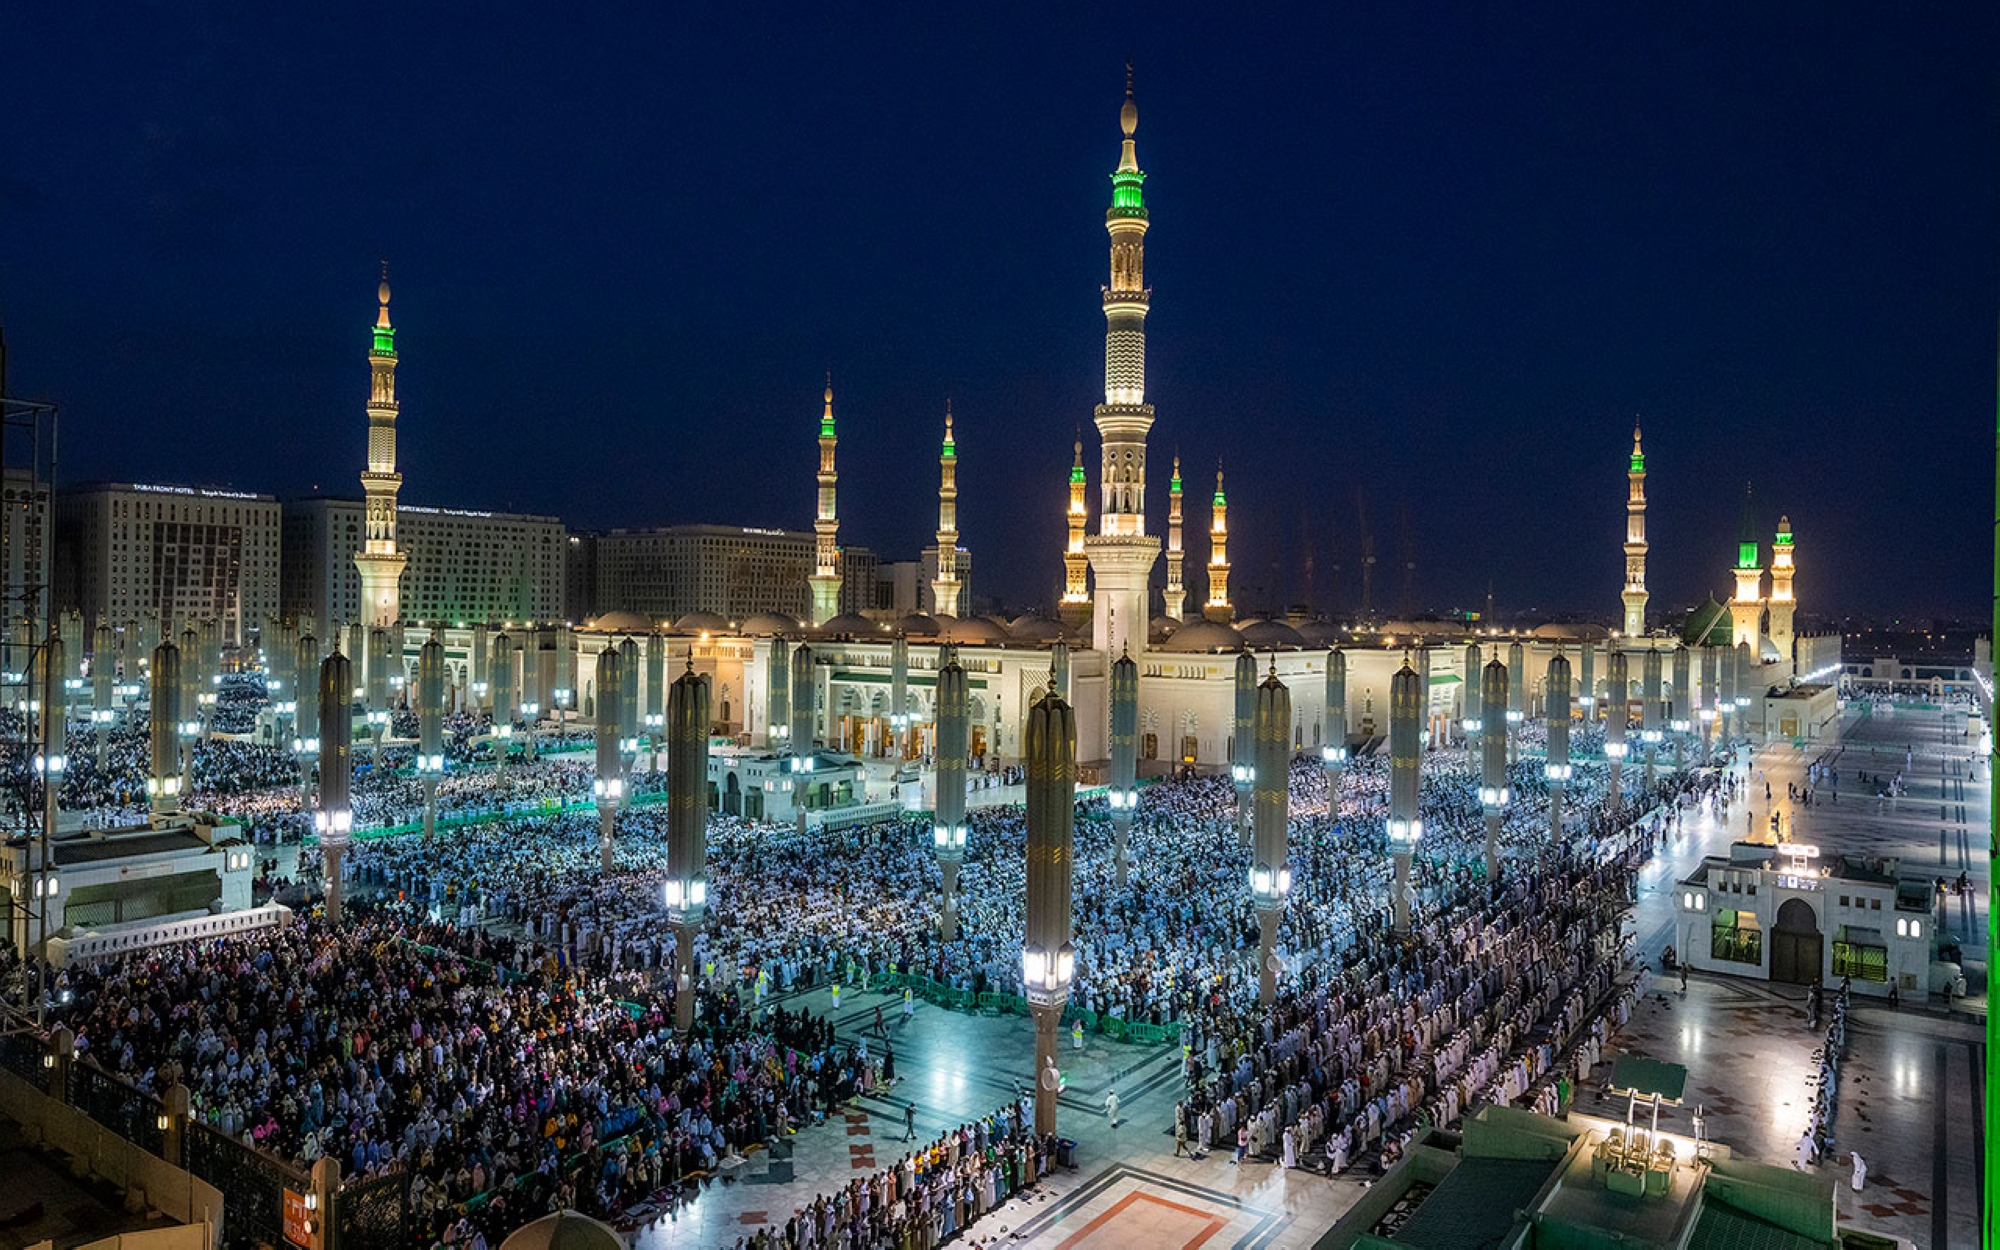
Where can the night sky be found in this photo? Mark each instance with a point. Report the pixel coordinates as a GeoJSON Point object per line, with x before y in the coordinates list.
{"type": "Point", "coordinates": [1427, 258]}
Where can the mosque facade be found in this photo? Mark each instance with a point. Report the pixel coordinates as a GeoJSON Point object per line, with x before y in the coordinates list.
{"type": "Point", "coordinates": [872, 676]}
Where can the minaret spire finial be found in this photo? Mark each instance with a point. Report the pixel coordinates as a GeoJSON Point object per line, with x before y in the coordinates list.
{"type": "Point", "coordinates": [1128, 78]}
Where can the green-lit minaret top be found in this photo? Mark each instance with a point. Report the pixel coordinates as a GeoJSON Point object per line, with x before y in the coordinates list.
{"type": "Point", "coordinates": [1127, 196]}
{"type": "Point", "coordinates": [1747, 547]}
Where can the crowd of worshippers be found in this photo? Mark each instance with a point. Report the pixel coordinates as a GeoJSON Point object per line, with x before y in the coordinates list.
{"type": "Point", "coordinates": [511, 1075]}
{"type": "Point", "coordinates": [1482, 1002]}
{"type": "Point", "coordinates": [790, 910]}
{"type": "Point", "coordinates": [386, 1042]}
{"type": "Point", "coordinates": [929, 1196]}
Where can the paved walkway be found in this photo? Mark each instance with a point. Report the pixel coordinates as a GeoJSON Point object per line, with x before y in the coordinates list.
{"type": "Point", "coordinates": [1910, 1091]}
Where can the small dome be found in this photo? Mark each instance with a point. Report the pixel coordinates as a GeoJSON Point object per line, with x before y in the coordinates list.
{"type": "Point", "coordinates": [1035, 629]}
{"type": "Point", "coordinates": [918, 625]}
{"type": "Point", "coordinates": [702, 623]}
{"type": "Point", "coordinates": [1160, 628]}
{"type": "Point", "coordinates": [621, 623]}
{"type": "Point", "coordinates": [564, 1230]}
{"type": "Point", "coordinates": [1270, 635]}
{"type": "Point", "coordinates": [1578, 632]}
{"type": "Point", "coordinates": [1767, 651]}
{"type": "Point", "coordinates": [972, 631]}
{"type": "Point", "coordinates": [768, 625]}
{"type": "Point", "coordinates": [1320, 634]}
{"type": "Point", "coordinates": [851, 623]}
{"type": "Point", "coordinates": [1201, 637]}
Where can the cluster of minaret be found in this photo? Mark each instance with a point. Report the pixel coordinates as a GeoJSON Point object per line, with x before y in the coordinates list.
{"type": "Point", "coordinates": [1119, 557]}
{"type": "Point", "coordinates": [1750, 606]}
{"type": "Point", "coordinates": [947, 587]}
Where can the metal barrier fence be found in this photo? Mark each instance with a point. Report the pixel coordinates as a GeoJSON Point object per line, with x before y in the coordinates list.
{"type": "Point", "coordinates": [372, 1214]}
{"type": "Point", "coordinates": [126, 1110]}
{"type": "Point", "coordinates": [253, 1185]}
{"type": "Point", "coordinates": [22, 1054]}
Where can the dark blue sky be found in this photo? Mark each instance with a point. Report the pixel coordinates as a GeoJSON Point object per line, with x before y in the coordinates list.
{"type": "Point", "coordinates": [1437, 255]}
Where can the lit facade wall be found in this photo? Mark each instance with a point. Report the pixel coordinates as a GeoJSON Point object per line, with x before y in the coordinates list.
{"type": "Point", "coordinates": [186, 552]}
{"type": "Point", "coordinates": [464, 565]}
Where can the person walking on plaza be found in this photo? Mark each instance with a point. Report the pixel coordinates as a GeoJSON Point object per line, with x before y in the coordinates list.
{"type": "Point", "coordinates": [1860, 1172]}
{"type": "Point", "coordinates": [1111, 1107]}
{"type": "Point", "coordinates": [909, 1003]}
{"type": "Point", "coordinates": [909, 1121]}
{"type": "Point", "coordinates": [1242, 1144]}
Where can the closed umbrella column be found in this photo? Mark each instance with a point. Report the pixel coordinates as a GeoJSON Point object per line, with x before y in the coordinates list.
{"type": "Point", "coordinates": [687, 830]}
{"type": "Point", "coordinates": [1048, 961]}
{"type": "Point", "coordinates": [1270, 873]}
{"type": "Point", "coordinates": [954, 730]}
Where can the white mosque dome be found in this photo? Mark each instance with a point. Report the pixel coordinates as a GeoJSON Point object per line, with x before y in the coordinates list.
{"type": "Point", "coordinates": [702, 623]}
{"type": "Point", "coordinates": [621, 623]}
{"type": "Point", "coordinates": [1200, 637]}
{"type": "Point", "coordinates": [1270, 635]}
{"type": "Point", "coordinates": [852, 623]}
{"type": "Point", "coordinates": [768, 625]}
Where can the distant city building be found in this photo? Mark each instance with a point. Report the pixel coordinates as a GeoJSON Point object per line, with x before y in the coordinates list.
{"type": "Point", "coordinates": [24, 539]}
{"type": "Point", "coordinates": [125, 549]}
{"type": "Point", "coordinates": [461, 564]}
{"type": "Point", "coordinates": [731, 571]}
{"type": "Point", "coordinates": [580, 577]}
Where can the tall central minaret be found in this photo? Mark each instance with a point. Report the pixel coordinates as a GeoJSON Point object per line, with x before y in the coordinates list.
{"type": "Point", "coordinates": [1746, 606]}
{"type": "Point", "coordinates": [1635, 542]}
{"type": "Point", "coordinates": [1076, 565]}
{"type": "Point", "coordinates": [825, 580]}
{"type": "Point", "coordinates": [945, 590]}
{"type": "Point", "coordinates": [1217, 608]}
{"type": "Point", "coordinates": [1121, 555]}
{"type": "Point", "coordinates": [379, 562]}
{"type": "Point", "coordinates": [1176, 586]}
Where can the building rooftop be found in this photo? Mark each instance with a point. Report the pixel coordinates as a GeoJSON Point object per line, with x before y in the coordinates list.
{"type": "Point", "coordinates": [1474, 1207]}
{"type": "Point", "coordinates": [97, 850]}
{"type": "Point", "coordinates": [167, 489]}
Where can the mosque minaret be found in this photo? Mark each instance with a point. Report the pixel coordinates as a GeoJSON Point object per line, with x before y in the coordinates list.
{"type": "Point", "coordinates": [945, 590]}
{"type": "Point", "coordinates": [1635, 542]}
{"type": "Point", "coordinates": [1782, 602]}
{"type": "Point", "coordinates": [1076, 565]}
{"type": "Point", "coordinates": [1217, 608]}
{"type": "Point", "coordinates": [826, 525]}
{"type": "Point", "coordinates": [1176, 604]}
{"type": "Point", "coordinates": [1121, 555]}
{"type": "Point", "coordinates": [379, 561]}
{"type": "Point", "coordinates": [1746, 606]}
